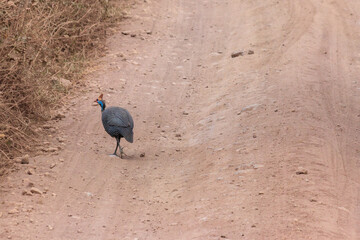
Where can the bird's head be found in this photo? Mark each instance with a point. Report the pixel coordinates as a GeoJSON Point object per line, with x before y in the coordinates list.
{"type": "Point", "coordinates": [101, 102]}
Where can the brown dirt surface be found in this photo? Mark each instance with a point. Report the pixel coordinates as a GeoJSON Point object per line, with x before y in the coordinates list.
{"type": "Point", "coordinates": [264, 145]}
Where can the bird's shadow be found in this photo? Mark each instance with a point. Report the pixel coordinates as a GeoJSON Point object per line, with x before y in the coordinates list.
{"type": "Point", "coordinates": [129, 157]}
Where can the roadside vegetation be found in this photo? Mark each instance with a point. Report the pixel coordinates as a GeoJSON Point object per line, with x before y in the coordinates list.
{"type": "Point", "coordinates": [43, 42]}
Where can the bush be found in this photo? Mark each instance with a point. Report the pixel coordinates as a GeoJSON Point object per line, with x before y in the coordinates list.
{"type": "Point", "coordinates": [42, 41]}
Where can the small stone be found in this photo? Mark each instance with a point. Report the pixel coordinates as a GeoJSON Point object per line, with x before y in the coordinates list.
{"type": "Point", "coordinates": [52, 165]}
{"type": "Point", "coordinates": [178, 135]}
{"type": "Point", "coordinates": [222, 236]}
{"type": "Point", "coordinates": [25, 159]}
{"type": "Point", "coordinates": [47, 126]}
{"type": "Point", "coordinates": [256, 166]}
{"type": "Point", "coordinates": [301, 170]}
{"type": "Point", "coordinates": [142, 154]}
{"type": "Point", "coordinates": [236, 54]}
{"type": "Point", "coordinates": [50, 149]}
{"type": "Point", "coordinates": [251, 52]}
{"type": "Point", "coordinates": [133, 35]}
{"type": "Point", "coordinates": [35, 190]}
{"type": "Point", "coordinates": [26, 193]}
{"type": "Point", "coordinates": [149, 32]}
{"type": "Point", "coordinates": [13, 211]}
{"type": "Point", "coordinates": [58, 116]}
{"type": "Point", "coordinates": [125, 33]}
{"type": "Point", "coordinates": [254, 135]}
{"type": "Point", "coordinates": [50, 227]}
{"type": "Point", "coordinates": [253, 226]}
{"type": "Point", "coordinates": [185, 113]}
{"type": "Point", "coordinates": [30, 171]}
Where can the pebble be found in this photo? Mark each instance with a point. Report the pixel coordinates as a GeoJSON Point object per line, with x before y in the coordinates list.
{"type": "Point", "coordinates": [50, 149]}
{"type": "Point", "coordinates": [52, 165]}
{"type": "Point", "coordinates": [35, 190]}
{"type": "Point", "coordinates": [58, 116]}
{"type": "Point", "coordinates": [250, 52]}
{"type": "Point", "coordinates": [142, 154]}
{"type": "Point", "coordinates": [13, 211]}
{"type": "Point", "coordinates": [30, 171]}
{"type": "Point", "coordinates": [301, 170]}
{"type": "Point", "coordinates": [236, 54]}
{"type": "Point", "coordinates": [26, 193]}
{"type": "Point", "coordinates": [256, 166]}
{"type": "Point", "coordinates": [25, 159]}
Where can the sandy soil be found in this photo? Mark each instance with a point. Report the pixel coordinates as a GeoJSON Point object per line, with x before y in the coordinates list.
{"type": "Point", "coordinates": [225, 139]}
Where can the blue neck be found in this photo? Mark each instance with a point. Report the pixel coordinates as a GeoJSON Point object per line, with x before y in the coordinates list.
{"type": "Point", "coordinates": [102, 105]}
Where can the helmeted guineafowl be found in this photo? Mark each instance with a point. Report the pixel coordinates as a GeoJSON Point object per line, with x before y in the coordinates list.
{"type": "Point", "coordinates": [117, 122]}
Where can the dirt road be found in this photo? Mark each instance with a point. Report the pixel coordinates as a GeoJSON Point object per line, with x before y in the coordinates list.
{"type": "Point", "coordinates": [261, 146]}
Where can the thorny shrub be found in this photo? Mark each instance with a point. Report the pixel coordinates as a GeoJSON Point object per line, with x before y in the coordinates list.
{"type": "Point", "coordinates": [42, 41]}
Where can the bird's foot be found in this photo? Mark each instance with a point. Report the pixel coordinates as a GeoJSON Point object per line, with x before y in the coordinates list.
{"type": "Point", "coordinates": [114, 155]}
{"type": "Point", "coordinates": [122, 152]}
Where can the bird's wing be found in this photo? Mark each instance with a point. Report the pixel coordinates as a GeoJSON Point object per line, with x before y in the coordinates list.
{"type": "Point", "coordinates": [118, 122]}
{"type": "Point", "coordinates": [119, 119]}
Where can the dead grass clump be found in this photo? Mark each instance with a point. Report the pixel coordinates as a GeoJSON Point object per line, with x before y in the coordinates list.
{"type": "Point", "coordinates": [42, 41]}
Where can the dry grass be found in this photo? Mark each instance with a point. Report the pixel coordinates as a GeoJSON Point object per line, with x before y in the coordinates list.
{"type": "Point", "coordinates": [41, 41]}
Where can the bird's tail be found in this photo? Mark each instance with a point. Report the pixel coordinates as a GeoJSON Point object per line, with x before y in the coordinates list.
{"type": "Point", "coordinates": [129, 136]}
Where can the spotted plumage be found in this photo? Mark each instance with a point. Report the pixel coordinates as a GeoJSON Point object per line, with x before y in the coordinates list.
{"type": "Point", "coordinates": [117, 122]}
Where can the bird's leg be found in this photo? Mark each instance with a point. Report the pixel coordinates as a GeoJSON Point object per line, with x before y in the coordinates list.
{"type": "Point", "coordinates": [117, 145]}
{"type": "Point", "coordinates": [121, 150]}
